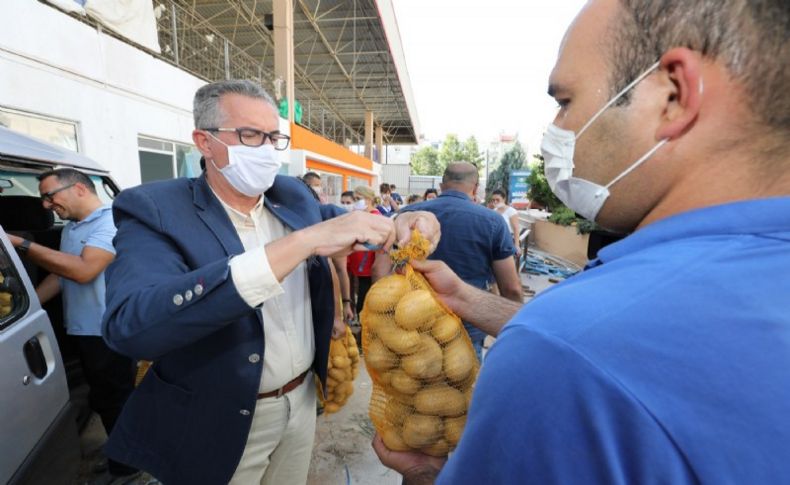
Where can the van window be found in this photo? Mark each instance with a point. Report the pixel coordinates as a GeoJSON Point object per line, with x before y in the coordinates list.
{"type": "Point", "coordinates": [13, 297]}
{"type": "Point", "coordinates": [27, 184]}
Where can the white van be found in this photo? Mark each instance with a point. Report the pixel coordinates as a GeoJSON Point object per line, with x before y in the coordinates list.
{"type": "Point", "coordinates": [43, 395]}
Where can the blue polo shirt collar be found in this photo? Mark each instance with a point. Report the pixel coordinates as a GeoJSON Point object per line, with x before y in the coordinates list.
{"type": "Point", "coordinates": [758, 216]}
{"type": "Point", "coordinates": [93, 215]}
{"type": "Point", "coordinates": [455, 193]}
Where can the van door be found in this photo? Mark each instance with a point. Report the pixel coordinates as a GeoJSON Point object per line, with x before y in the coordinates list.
{"type": "Point", "coordinates": [39, 435]}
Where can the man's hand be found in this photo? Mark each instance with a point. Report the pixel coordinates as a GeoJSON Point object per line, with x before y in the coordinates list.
{"type": "Point", "coordinates": [15, 240]}
{"type": "Point", "coordinates": [423, 221]}
{"type": "Point", "coordinates": [447, 285]}
{"type": "Point", "coordinates": [348, 312]}
{"type": "Point", "coordinates": [338, 328]}
{"type": "Point", "coordinates": [347, 233]}
{"type": "Point", "coordinates": [416, 468]}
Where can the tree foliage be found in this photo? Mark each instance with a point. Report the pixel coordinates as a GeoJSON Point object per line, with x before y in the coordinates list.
{"type": "Point", "coordinates": [430, 161]}
{"type": "Point", "coordinates": [513, 159]}
{"type": "Point", "coordinates": [539, 190]}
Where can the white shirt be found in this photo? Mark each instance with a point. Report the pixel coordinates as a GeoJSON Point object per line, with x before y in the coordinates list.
{"type": "Point", "coordinates": [509, 212]}
{"type": "Point", "coordinates": [286, 310]}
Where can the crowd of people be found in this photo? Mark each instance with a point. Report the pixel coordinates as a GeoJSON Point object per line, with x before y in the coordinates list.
{"type": "Point", "coordinates": [665, 361]}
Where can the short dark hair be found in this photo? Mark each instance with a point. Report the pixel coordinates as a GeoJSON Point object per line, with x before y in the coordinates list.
{"type": "Point", "coordinates": [430, 191]}
{"type": "Point", "coordinates": [347, 193]}
{"type": "Point", "coordinates": [384, 188]}
{"type": "Point", "coordinates": [500, 192]}
{"type": "Point", "coordinates": [310, 176]}
{"type": "Point", "coordinates": [69, 176]}
{"type": "Point", "coordinates": [750, 37]}
{"type": "Point", "coordinates": [392, 187]}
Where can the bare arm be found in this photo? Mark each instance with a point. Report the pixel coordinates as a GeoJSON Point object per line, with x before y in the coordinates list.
{"type": "Point", "coordinates": [48, 288]}
{"type": "Point", "coordinates": [338, 328]}
{"type": "Point", "coordinates": [507, 279]}
{"type": "Point", "coordinates": [82, 269]}
{"type": "Point", "coordinates": [485, 311]}
{"type": "Point", "coordinates": [382, 266]}
{"type": "Point", "coordinates": [515, 225]}
{"type": "Point", "coordinates": [339, 263]}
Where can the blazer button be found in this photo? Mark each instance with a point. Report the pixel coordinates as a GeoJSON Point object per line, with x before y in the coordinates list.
{"type": "Point", "coordinates": [254, 358]}
{"type": "Point", "coordinates": [198, 289]}
{"type": "Point", "coordinates": [188, 295]}
{"type": "Point", "coordinates": [244, 412]}
{"type": "Point", "coordinates": [178, 299]}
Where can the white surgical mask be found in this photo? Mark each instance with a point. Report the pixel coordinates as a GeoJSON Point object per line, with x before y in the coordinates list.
{"type": "Point", "coordinates": [348, 206]}
{"type": "Point", "coordinates": [316, 189]}
{"type": "Point", "coordinates": [557, 147]}
{"type": "Point", "coordinates": [360, 205]}
{"type": "Point", "coordinates": [250, 170]}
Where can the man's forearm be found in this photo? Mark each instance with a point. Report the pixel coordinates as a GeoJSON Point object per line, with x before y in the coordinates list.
{"type": "Point", "coordinates": [342, 276]}
{"type": "Point", "coordinates": [62, 264]}
{"type": "Point", "coordinates": [486, 311]}
{"type": "Point", "coordinates": [48, 288]}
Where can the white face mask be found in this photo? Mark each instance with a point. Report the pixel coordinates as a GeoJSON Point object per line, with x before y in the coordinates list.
{"type": "Point", "coordinates": [501, 205]}
{"type": "Point", "coordinates": [348, 206]}
{"type": "Point", "coordinates": [360, 205]}
{"type": "Point", "coordinates": [584, 197]}
{"type": "Point", "coordinates": [250, 170]}
{"type": "Point", "coordinates": [316, 189]}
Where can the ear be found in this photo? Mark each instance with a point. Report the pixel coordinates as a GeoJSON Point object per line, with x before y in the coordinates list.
{"type": "Point", "coordinates": [201, 140]}
{"type": "Point", "coordinates": [684, 85]}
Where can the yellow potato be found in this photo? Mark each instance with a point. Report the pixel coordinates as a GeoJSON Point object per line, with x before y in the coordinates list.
{"type": "Point", "coordinates": [337, 374]}
{"type": "Point", "coordinates": [5, 298]}
{"type": "Point", "coordinates": [440, 400]}
{"type": "Point", "coordinates": [331, 407]}
{"type": "Point", "coordinates": [341, 362]}
{"type": "Point", "coordinates": [331, 382]}
{"type": "Point", "coordinates": [393, 440]}
{"type": "Point", "coordinates": [401, 382]}
{"type": "Point", "coordinates": [427, 362]}
{"type": "Point", "coordinates": [379, 357]}
{"type": "Point", "coordinates": [459, 360]}
{"type": "Point", "coordinates": [420, 431]}
{"type": "Point", "coordinates": [373, 321]}
{"type": "Point", "coordinates": [445, 328]}
{"type": "Point", "coordinates": [384, 295]}
{"type": "Point", "coordinates": [336, 349]}
{"type": "Point", "coordinates": [5, 310]}
{"type": "Point", "coordinates": [402, 342]}
{"type": "Point", "coordinates": [417, 309]}
{"type": "Point", "coordinates": [440, 448]}
{"type": "Point", "coordinates": [453, 428]}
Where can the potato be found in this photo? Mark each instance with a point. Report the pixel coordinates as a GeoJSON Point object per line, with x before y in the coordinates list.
{"type": "Point", "coordinates": [396, 411]}
{"type": "Point", "coordinates": [402, 342]}
{"type": "Point", "coordinates": [337, 374]}
{"type": "Point", "coordinates": [346, 387]}
{"type": "Point", "coordinates": [420, 431]}
{"type": "Point", "coordinates": [440, 400]}
{"type": "Point", "coordinates": [331, 407]}
{"type": "Point", "coordinates": [440, 448]}
{"type": "Point", "coordinates": [341, 362]}
{"type": "Point", "coordinates": [5, 310]}
{"type": "Point", "coordinates": [459, 360]}
{"type": "Point", "coordinates": [336, 349]}
{"type": "Point", "coordinates": [453, 428]}
{"type": "Point", "coordinates": [427, 362]}
{"type": "Point", "coordinates": [385, 294]}
{"type": "Point", "coordinates": [393, 440]}
{"type": "Point", "coordinates": [445, 328]}
{"type": "Point", "coordinates": [403, 383]}
{"type": "Point", "coordinates": [379, 357]}
{"type": "Point", "coordinates": [331, 382]}
{"type": "Point", "coordinates": [373, 321]}
{"type": "Point", "coordinates": [5, 298]}
{"type": "Point", "coordinates": [417, 309]}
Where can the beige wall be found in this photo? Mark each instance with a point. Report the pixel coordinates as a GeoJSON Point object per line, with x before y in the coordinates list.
{"type": "Point", "coordinates": [560, 241]}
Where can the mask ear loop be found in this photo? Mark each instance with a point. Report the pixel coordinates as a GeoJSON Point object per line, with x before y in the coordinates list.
{"type": "Point", "coordinates": [618, 96]}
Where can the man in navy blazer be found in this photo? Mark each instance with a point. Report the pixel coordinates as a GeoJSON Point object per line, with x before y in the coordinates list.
{"type": "Point", "coordinates": [222, 281]}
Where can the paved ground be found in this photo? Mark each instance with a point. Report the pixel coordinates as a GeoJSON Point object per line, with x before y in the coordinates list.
{"type": "Point", "coordinates": [342, 452]}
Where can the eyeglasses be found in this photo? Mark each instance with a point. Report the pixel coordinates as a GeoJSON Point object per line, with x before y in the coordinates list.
{"type": "Point", "coordinates": [255, 138]}
{"type": "Point", "coordinates": [47, 196]}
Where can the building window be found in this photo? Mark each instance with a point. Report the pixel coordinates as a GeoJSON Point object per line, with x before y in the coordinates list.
{"type": "Point", "coordinates": [62, 133]}
{"type": "Point", "coordinates": [162, 160]}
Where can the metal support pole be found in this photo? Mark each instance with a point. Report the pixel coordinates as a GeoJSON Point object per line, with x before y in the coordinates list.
{"type": "Point", "coordinates": [174, 24]}
{"type": "Point", "coordinates": [227, 59]}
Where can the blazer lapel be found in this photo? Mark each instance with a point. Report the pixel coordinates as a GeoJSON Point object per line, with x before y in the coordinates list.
{"type": "Point", "coordinates": [214, 216]}
{"type": "Point", "coordinates": [288, 217]}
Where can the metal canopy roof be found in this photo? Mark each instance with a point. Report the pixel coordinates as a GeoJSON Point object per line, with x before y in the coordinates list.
{"type": "Point", "coordinates": [347, 61]}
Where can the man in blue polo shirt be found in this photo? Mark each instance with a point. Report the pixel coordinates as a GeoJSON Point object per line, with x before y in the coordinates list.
{"type": "Point", "coordinates": [667, 360]}
{"type": "Point", "coordinates": [77, 271]}
{"type": "Point", "coordinates": [475, 241]}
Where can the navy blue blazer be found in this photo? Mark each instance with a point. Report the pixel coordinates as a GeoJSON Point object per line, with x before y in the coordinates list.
{"type": "Point", "coordinates": [188, 421]}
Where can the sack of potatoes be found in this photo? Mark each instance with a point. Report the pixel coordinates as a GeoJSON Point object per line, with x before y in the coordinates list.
{"type": "Point", "coordinates": [343, 369]}
{"type": "Point", "coordinates": [422, 364]}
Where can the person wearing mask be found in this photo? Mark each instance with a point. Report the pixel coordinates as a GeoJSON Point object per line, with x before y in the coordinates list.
{"type": "Point", "coordinates": [223, 282]}
{"type": "Point", "coordinates": [509, 214]}
{"type": "Point", "coordinates": [361, 262]}
{"type": "Point", "coordinates": [414, 198]}
{"type": "Point", "coordinates": [347, 200]}
{"type": "Point", "coordinates": [430, 194]}
{"type": "Point", "coordinates": [666, 360]}
{"type": "Point", "coordinates": [313, 180]}
{"type": "Point", "coordinates": [387, 206]}
{"type": "Point", "coordinates": [77, 272]}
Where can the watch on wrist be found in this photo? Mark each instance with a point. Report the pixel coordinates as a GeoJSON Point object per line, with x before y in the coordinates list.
{"type": "Point", "coordinates": [346, 300]}
{"type": "Point", "coordinates": [24, 246]}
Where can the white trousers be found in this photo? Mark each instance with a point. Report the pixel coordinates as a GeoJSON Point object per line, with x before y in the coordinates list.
{"type": "Point", "coordinates": [280, 442]}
